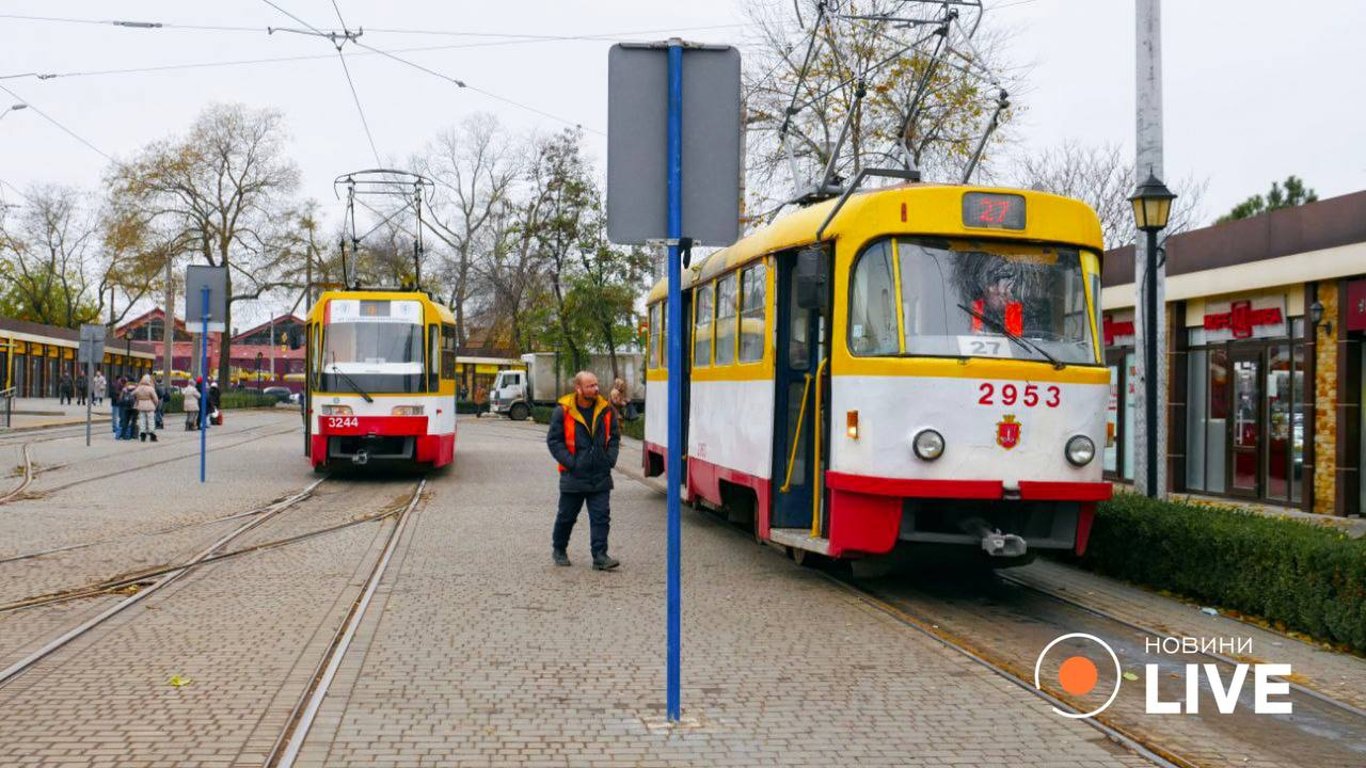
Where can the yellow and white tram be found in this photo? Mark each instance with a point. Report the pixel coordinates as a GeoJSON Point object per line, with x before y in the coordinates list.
{"type": "Point", "coordinates": [381, 379]}
{"type": "Point", "coordinates": [927, 370]}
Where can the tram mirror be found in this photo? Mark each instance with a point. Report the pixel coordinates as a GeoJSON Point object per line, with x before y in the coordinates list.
{"type": "Point", "coordinates": [811, 275]}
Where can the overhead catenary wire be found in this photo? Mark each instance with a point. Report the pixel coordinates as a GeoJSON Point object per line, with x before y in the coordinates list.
{"type": "Point", "coordinates": [58, 123]}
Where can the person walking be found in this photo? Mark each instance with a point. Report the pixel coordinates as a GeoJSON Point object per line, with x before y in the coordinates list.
{"type": "Point", "coordinates": [82, 388]}
{"type": "Point", "coordinates": [145, 404]}
{"type": "Point", "coordinates": [163, 397]}
{"type": "Point", "coordinates": [128, 415]}
{"type": "Point", "coordinates": [191, 395]}
{"type": "Point", "coordinates": [115, 392]}
{"type": "Point", "coordinates": [584, 438]}
{"type": "Point", "coordinates": [215, 405]}
{"type": "Point", "coordinates": [65, 387]}
{"type": "Point", "coordinates": [97, 387]}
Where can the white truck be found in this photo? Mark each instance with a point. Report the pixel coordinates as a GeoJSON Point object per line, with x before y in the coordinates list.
{"type": "Point", "coordinates": [514, 392]}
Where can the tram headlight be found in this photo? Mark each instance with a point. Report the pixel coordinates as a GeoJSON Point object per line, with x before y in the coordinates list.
{"type": "Point", "coordinates": [406, 410]}
{"type": "Point", "coordinates": [1080, 451]}
{"type": "Point", "coordinates": [336, 410]}
{"type": "Point", "coordinates": [928, 444]}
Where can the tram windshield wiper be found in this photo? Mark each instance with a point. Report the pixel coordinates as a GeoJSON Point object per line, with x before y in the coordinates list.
{"type": "Point", "coordinates": [1015, 337]}
{"type": "Point", "coordinates": [353, 383]}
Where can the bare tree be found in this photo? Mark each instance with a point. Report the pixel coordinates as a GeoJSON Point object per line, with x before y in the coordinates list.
{"type": "Point", "coordinates": [474, 167]}
{"type": "Point", "coordinates": [904, 90]}
{"type": "Point", "coordinates": [1103, 179]}
{"type": "Point", "coordinates": [51, 259]}
{"type": "Point", "coordinates": [220, 190]}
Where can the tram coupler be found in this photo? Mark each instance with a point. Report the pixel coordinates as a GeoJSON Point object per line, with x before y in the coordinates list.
{"type": "Point", "coordinates": [995, 543]}
{"type": "Point", "coordinates": [361, 457]}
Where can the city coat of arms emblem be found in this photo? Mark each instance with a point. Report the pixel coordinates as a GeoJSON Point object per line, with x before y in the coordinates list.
{"type": "Point", "coordinates": [1008, 432]}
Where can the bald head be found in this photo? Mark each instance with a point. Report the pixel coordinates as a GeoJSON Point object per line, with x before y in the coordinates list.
{"type": "Point", "coordinates": [586, 387]}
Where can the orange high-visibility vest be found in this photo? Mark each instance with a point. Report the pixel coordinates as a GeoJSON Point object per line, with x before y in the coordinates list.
{"type": "Point", "coordinates": [571, 433]}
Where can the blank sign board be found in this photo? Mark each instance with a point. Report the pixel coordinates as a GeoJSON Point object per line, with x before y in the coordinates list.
{"type": "Point", "coordinates": [637, 143]}
{"type": "Point", "coordinates": [216, 279]}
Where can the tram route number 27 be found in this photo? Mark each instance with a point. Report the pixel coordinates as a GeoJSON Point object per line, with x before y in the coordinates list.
{"type": "Point", "coordinates": [1029, 395]}
{"type": "Point", "coordinates": [342, 422]}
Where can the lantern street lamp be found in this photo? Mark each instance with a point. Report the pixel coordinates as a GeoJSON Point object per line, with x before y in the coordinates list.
{"type": "Point", "coordinates": [1152, 203]}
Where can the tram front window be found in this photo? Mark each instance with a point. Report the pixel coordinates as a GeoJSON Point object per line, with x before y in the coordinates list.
{"type": "Point", "coordinates": [375, 344]}
{"type": "Point", "coordinates": [967, 298]}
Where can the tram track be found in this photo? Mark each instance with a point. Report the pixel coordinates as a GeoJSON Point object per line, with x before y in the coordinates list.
{"type": "Point", "coordinates": [290, 741]}
{"type": "Point", "coordinates": [26, 477]}
{"type": "Point", "coordinates": [997, 633]}
{"type": "Point", "coordinates": [168, 577]}
{"type": "Point", "coordinates": [18, 494]}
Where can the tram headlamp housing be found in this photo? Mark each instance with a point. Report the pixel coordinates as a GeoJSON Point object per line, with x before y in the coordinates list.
{"type": "Point", "coordinates": [1080, 451]}
{"type": "Point", "coordinates": [928, 444]}
{"type": "Point", "coordinates": [406, 410]}
{"type": "Point", "coordinates": [336, 410]}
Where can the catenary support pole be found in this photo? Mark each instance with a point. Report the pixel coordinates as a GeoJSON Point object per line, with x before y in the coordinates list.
{"type": "Point", "coordinates": [675, 321]}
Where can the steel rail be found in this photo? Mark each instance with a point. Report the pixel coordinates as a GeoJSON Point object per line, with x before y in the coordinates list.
{"type": "Point", "coordinates": [26, 477]}
{"type": "Point", "coordinates": [291, 740]}
{"type": "Point", "coordinates": [14, 670]}
{"type": "Point", "coordinates": [1099, 613]}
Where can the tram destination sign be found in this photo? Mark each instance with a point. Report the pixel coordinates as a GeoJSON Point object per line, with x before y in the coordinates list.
{"type": "Point", "coordinates": [637, 143]}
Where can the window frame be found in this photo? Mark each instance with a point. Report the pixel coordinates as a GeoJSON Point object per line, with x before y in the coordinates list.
{"type": "Point", "coordinates": [760, 266]}
{"type": "Point", "coordinates": [733, 278]}
{"type": "Point", "coordinates": [709, 289]}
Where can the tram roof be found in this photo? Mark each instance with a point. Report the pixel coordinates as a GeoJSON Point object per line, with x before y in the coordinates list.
{"type": "Point", "coordinates": [443, 312]}
{"type": "Point", "coordinates": [931, 209]}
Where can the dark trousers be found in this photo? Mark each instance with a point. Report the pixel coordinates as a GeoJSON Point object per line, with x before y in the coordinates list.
{"type": "Point", "coordinates": [599, 519]}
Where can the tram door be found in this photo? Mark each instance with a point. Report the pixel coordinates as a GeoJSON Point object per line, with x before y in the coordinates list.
{"type": "Point", "coordinates": [798, 354]}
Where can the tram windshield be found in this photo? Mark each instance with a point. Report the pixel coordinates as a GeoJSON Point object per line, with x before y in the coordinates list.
{"type": "Point", "coordinates": [376, 344]}
{"type": "Point", "coordinates": [963, 298]}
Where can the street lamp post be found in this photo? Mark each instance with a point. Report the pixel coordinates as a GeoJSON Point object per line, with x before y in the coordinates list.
{"type": "Point", "coordinates": [1152, 203]}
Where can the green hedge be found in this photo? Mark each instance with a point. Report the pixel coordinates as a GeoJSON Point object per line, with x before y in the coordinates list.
{"type": "Point", "coordinates": [231, 400]}
{"type": "Point", "coordinates": [1306, 577]}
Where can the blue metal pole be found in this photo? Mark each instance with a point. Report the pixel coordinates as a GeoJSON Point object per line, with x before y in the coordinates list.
{"type": "Point", "coordinates": [204, 374]}
{"type": "Point", "coordinates": [675, 323]}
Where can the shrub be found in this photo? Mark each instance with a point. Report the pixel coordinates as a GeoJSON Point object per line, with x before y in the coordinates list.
{"type": "Point", "coordinates": [231, 400]}
{"type": "Point", "coordinates": [1310, 578]}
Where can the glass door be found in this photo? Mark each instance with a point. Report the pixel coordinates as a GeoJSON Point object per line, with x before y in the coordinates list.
{"type": "Point", "coordinates": [1246, 439]}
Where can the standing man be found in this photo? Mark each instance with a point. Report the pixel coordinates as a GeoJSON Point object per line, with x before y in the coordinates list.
{"type": "Point", "coordinates": [584, 438]}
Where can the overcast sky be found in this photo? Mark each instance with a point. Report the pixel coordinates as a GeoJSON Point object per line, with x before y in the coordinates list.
{"type": "Point", "coordinates": [1252, 92]}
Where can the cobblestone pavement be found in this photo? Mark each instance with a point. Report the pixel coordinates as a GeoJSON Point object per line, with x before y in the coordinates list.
{"type": "Point", "coordinates": [139, 516]}
{"type": "Point", "coordinates": [485, 653]}
{"type": "Point", "coordinates": [246, 632]}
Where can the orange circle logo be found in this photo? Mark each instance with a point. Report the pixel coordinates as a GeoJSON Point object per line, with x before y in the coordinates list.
{"type": "Point", "coordinates": [1078, 675]}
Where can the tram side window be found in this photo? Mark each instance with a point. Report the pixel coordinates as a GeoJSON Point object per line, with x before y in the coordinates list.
{"type": "Point", "coordinates": [448, 351]}
{"type": "Point", "coordinates": [656, 330]}
{"type": "Point", "coordinates": [702, 326]}
{"type": "Point", "coordinates": [753, 284]}
{"type": "Point", "coordinates": [725, 320]}
{"type": "Point", "coordinates": [872, 307]}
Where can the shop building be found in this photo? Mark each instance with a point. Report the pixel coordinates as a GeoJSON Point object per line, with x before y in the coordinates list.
{"type": "Point", "coordinates": [1266, 318]}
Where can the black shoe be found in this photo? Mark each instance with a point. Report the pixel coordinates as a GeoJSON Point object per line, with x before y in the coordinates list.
{"type": "Point", "coordinates": [142, 437]}
{"type": "Point", "coordinates": [605, 562]}
{"type": "Point", "coordinates": [559, 556]}
{"type": "Point", "coordinates": [154, 437]}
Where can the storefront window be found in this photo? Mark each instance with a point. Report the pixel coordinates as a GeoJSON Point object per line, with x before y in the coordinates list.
{"type": "Point", "coordinates": [1279, 391]}
{"type": "Point", "coordinates": [1216, 427]}
{"type": "Point", "coordinates": [1112, 423]}
{"type": "Point", "coordinates": [1131, 381]}
{"type": "Point", "coordinates": [1298, 411]}
{"type": "Point", "coordinates": [1197, 412]}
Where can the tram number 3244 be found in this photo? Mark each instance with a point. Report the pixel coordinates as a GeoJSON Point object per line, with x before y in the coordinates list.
{"type": "Point", "coordinates": [342, 422]}
{"type": "Point", "coordinates": [1029, 396]}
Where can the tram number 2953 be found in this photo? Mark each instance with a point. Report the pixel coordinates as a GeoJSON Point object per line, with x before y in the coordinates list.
{"type": "Point", "coordinates": [342, 422]}
{"type": "Point", "coordinates": [1029, 395]}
